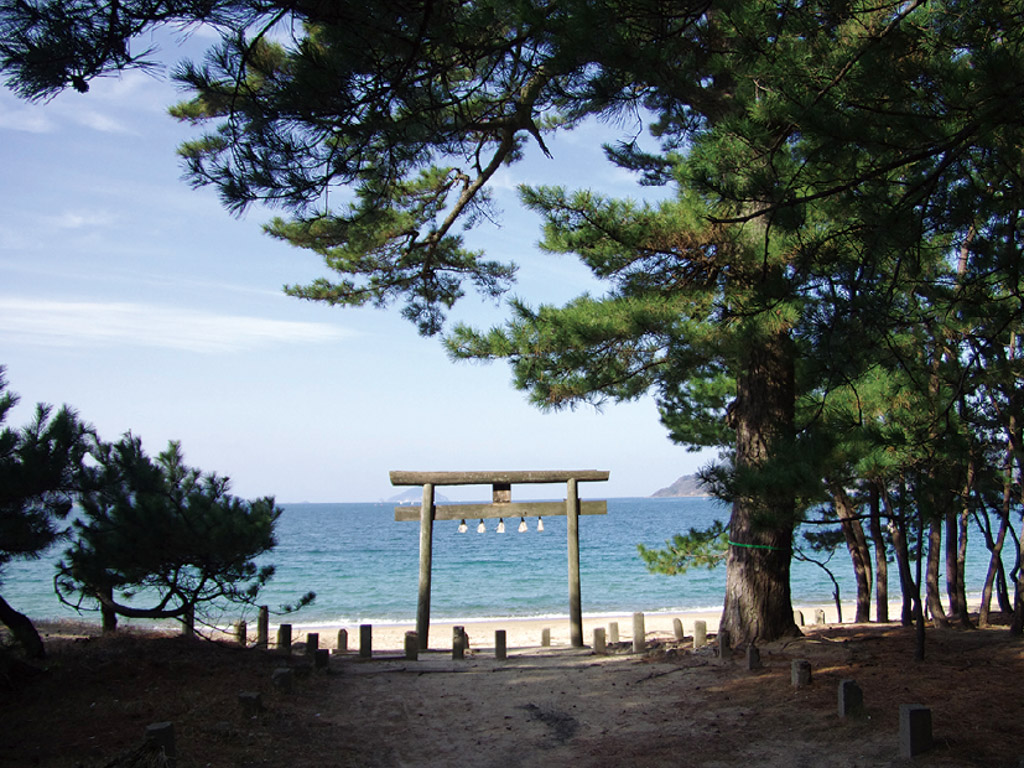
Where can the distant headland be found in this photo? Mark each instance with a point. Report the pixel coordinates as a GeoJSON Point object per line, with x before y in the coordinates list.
{"type": "Point", "coordinates": [687, 485]}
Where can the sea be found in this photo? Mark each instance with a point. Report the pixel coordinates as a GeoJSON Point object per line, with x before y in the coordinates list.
{"type": "Point", "coordinates": [363, 566]}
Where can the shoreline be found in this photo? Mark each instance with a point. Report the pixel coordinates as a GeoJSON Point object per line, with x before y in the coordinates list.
{"type": "Point", "coordinates": [521, 632]}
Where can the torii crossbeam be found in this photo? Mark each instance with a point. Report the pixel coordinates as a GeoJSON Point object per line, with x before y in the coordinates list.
{"type": "Point", "coordinates": [501, 506]}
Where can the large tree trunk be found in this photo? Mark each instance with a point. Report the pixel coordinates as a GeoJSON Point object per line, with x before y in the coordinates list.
{"type": "Point", "coordinates": [758, 606]}
{"type": "Point", "coordinates": [857, 545]}
{"type": "Point", "coordinates": [23, 629]}
{"type": "Point", "coordinates": [881, 564]}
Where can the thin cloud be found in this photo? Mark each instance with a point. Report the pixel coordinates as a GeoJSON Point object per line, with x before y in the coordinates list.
{"type": "Point", "coordinates": [14, 116]}
{"type": "Point", "coordinates": [72, 219]}
{"type": "Point", "coordinates": [106, 324]}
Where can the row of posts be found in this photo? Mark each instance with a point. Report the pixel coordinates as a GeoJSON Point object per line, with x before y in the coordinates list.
{"type": "Point", "coordinates": [460, 642]}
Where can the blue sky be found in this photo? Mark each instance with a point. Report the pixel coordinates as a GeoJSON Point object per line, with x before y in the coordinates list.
{"type": "Point", "coordinates": [147, 307]}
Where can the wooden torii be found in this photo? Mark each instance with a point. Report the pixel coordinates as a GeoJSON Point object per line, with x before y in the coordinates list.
{"type": "Point", "coordinates": [501, 506]}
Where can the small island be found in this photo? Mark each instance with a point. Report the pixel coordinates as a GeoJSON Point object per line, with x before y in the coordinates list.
{"type": "Point", "coordinates": [685, 486]}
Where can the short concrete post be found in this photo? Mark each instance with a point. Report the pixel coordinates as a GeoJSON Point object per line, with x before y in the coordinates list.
{"type": "Point", "coordinates": [613, 632]}
{"type": "Point", "coordinates": [322, 658]}
{"type": "Point", "coordinates": [600, 648]}
{"type": "Point", "coordinates": [851, 699]}
{"type": "Point", "coordinates": [798, 618]}
{"type": "Point", "coordinates": [242, 634]}
{"type": "Point", "coordinates": [800, 673]}
{"type": "Point", "coordinates": [458, 642]}
{"type": "Point", "coordinates": [639, 634]}
{"type": "Point", "coordinates": [160, 736]}
{"type": "Point", "coordinates": [700, 634]}
{"type": "Point", "coordinates": [366, 641]}
{"type": "Point", "coordinates": [677, 629]}
{"type": "Point", "coordinates": [545, 638]}
{"type": "Point", "coordinates": [283, 679]}
{"type": "Point", "coordinates": [412, 646]}
{"type": "Point", "coordinates": [724, 644]}
{"type": "Point", "coordinates": [250, 702]}
{"type": "Point", "coordinates": [284, 638]}
{"type": "Point", "coordinates": [915, 729]}
{"type": "Point", "coordinates": [500, 645]}
{"type": "Point", "coordinates": [342, 641]}
{"type": "Point", "coordinates": [312, 643]}
{"type": "Point", "coordinates": [263, 628]}
{"type": "Point", "coordinates": [819, 616]}
{"type": "Point", "coordinates": [753, 658]}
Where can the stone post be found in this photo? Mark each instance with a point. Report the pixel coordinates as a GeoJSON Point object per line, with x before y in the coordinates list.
{"type": "Point", "coordinates": [700, 634]}
{"type": "Point", "coordinates": [819, 616]}
{"type": "Point", "coordinates": [312, 643]}
{"type": "Point", "coordinates": [284, 638]}
{"type": "Point", "coordinates": [915, 729]}
{"type": "Point", "coordinates": [366, 640]}
{"type": "Point", "coordinates": [753, 658]}
{"type": "Point", "coordinates": [322, 658]}
{"type": "Point", "coordinates": [851, 699]}
{"type": "Point", "coordinates": [800, 673]}
{"type": "Point", "coordinates": [458, 642]}
{"type": "Point", "coordinates": [639, 634]}
{"type": "Point", "coordinates": [798, 618]}
{"type": "Point", "coordinates": [500, 645]}
{"type": "Point", "coordinates": [412, 646]}
{"type": "Point", "coordinates": [599, 644]}
{"type": "Point", "coordinates": [724, 644]}
{"type": "Point", "coordinates": [613, 632]}
{"type": "Point", "coordinates": [263, 628]}
{"type": "Point", "coordinates": [545, 637]}
{"type": "Point", "coordinates": [342, 641]}
{"type": "Point", "coordinates": [242, 634]}
{"type": "Point", "coordinates": [677, 629]}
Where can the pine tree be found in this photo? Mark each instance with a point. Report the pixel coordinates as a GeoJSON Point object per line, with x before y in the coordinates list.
{"type": "Point", "coordinates": [40, 471]}
{"type": "Point", "coordinates": [157, 539]}
{"type": "Point", "coordinates": [830, 159]}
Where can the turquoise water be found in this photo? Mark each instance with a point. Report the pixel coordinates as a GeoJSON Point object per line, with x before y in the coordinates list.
{"type": "Point", "coordinates": [363, 565]}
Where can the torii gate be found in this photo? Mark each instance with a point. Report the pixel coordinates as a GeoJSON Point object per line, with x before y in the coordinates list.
{"type": "Point", "coordinates": [501, 506]}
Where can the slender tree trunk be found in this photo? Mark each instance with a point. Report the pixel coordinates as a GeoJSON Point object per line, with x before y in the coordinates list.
{"type": "Point", "coordinates": [108, 613]}
{"type": "Point", "coordinates": [881, 564]}
{"type": "Point", "coordinates": [758, 605]}
{"type": "Point", "coordinates": [857, 545]}
{"type": "Point", "coordinates": [932, 593]}
{"type": "Point", "coordinates": [913, 612]}
{"type": "Point", "coordinates": [23, 630]}
{"type": "Point", "coordinates": [952, 572]}
{"type": "Point", "coordinates": [902, 552]}
{"type": "Point", "coordinates": [1017, 623]}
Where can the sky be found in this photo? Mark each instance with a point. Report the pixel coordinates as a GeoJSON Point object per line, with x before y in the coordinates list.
{"type": "Point", "coordinates": [148, 308]}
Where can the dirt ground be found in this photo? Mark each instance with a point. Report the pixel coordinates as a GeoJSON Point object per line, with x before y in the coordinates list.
{"type": "Point", "coordinates": [90, 704]}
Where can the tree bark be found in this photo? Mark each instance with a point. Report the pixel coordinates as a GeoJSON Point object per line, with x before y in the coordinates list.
{"type": "Point", "coordinates": [24, 631]}
{"type": "Point", "coordinates": [758, 605]}
{"type": "Point", "coordinates": [881, 564]}
{"type": "Point", "coordinates": [857, 545]}
{"type": "Point", "coordinates": [908, 588]}
{"type": "Point", "coordinates": [932, 593]}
